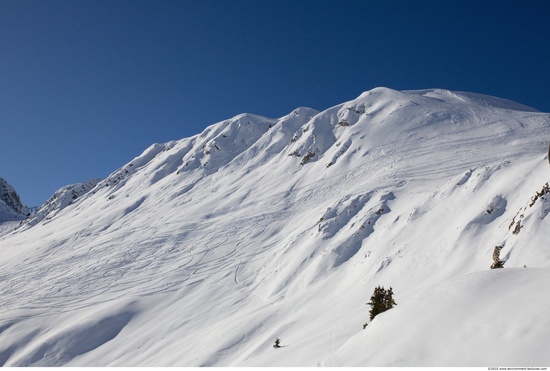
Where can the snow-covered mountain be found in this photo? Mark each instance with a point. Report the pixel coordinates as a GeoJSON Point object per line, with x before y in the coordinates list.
{"type": "Point", "coordinates": [203, 251]}
{"type": "Point", "coordinates": [62, 198]}
{"type": "Point", "coordinates": [11, 207]}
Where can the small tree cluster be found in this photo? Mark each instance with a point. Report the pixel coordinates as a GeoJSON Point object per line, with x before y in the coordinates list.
{"type": "Point", "coordinates": [380, 301]}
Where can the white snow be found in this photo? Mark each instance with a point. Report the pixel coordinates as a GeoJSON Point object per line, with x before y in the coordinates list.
{"type": "Point", "coordinates": [8, 226]}
{"type": "Point", "coordinates": [506, 324]}
{"type": "Point", "coordinates": [202, 251]}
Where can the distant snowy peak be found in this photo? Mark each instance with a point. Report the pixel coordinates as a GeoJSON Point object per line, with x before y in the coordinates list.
{"type": "Point", "coordinates": [11, 207]}
{"type": "Point", "coordinates": [62, 198]}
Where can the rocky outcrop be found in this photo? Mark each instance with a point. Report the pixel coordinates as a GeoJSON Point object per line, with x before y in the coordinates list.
{"type": "Point", "coordinates": [60, 200]}
{"type": "Point", "coordinates": [11, 207]}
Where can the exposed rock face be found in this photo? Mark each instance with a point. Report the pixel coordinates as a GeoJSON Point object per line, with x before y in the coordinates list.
{"type": "Point", "coordinates": [11, 207]}
{"type": "Point", "coordinates": [62, 198]}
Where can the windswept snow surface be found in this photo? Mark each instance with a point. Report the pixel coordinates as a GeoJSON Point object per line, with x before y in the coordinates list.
{"type": "Point", "coordinates": [500, 327]}
{"type": "Point", "coordinates": [202, 251]}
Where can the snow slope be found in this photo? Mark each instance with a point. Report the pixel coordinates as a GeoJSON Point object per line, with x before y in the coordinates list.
{"type": "Point", "coordinates": [202, 251]}
{"type": "Point", "coordinates": [506, 324]}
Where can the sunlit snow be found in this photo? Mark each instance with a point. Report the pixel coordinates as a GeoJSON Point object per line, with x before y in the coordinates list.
{"type": "Point", "coordinates": [204, 250]}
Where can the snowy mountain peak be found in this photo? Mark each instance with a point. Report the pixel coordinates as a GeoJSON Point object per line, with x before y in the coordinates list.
{"type": "Point", "coordinates": [62, 198]}
{"type": "Point", "coordinates": [11, 207]}
{"type": "Point", "coordinates": [310, 135]}
{"type": "Point", "coordinates": [203, 251]}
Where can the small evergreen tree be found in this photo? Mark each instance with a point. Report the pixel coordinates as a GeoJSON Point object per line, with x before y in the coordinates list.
{"type": "Point", "coordinates": [380, 301]}
{"type": "Point", "coordinates": [389, 302]}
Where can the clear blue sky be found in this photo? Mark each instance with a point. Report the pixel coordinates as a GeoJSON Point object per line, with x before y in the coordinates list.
{"type": "Point", "coordinates": [85, 86]}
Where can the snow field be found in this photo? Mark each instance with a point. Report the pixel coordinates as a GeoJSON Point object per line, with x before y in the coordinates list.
{"type": "Point", "coordinates": [201, 252]}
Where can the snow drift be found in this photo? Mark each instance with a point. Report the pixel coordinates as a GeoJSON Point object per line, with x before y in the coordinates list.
{"type": "Point", "coordinates": [203, 251]}
{"type": "Point", "coordinates": [472, 320]}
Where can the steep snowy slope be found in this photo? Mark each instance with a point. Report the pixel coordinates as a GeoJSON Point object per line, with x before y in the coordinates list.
{"type": "Point", "coordinates": [202, 251]}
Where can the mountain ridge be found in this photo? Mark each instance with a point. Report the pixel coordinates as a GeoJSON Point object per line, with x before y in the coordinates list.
{"type": "Point", "coordinates": [202, 251]}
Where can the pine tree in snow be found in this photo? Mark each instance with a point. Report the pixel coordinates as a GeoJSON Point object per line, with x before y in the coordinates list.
{"type": "Point", "coordinates": [380, 301]}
